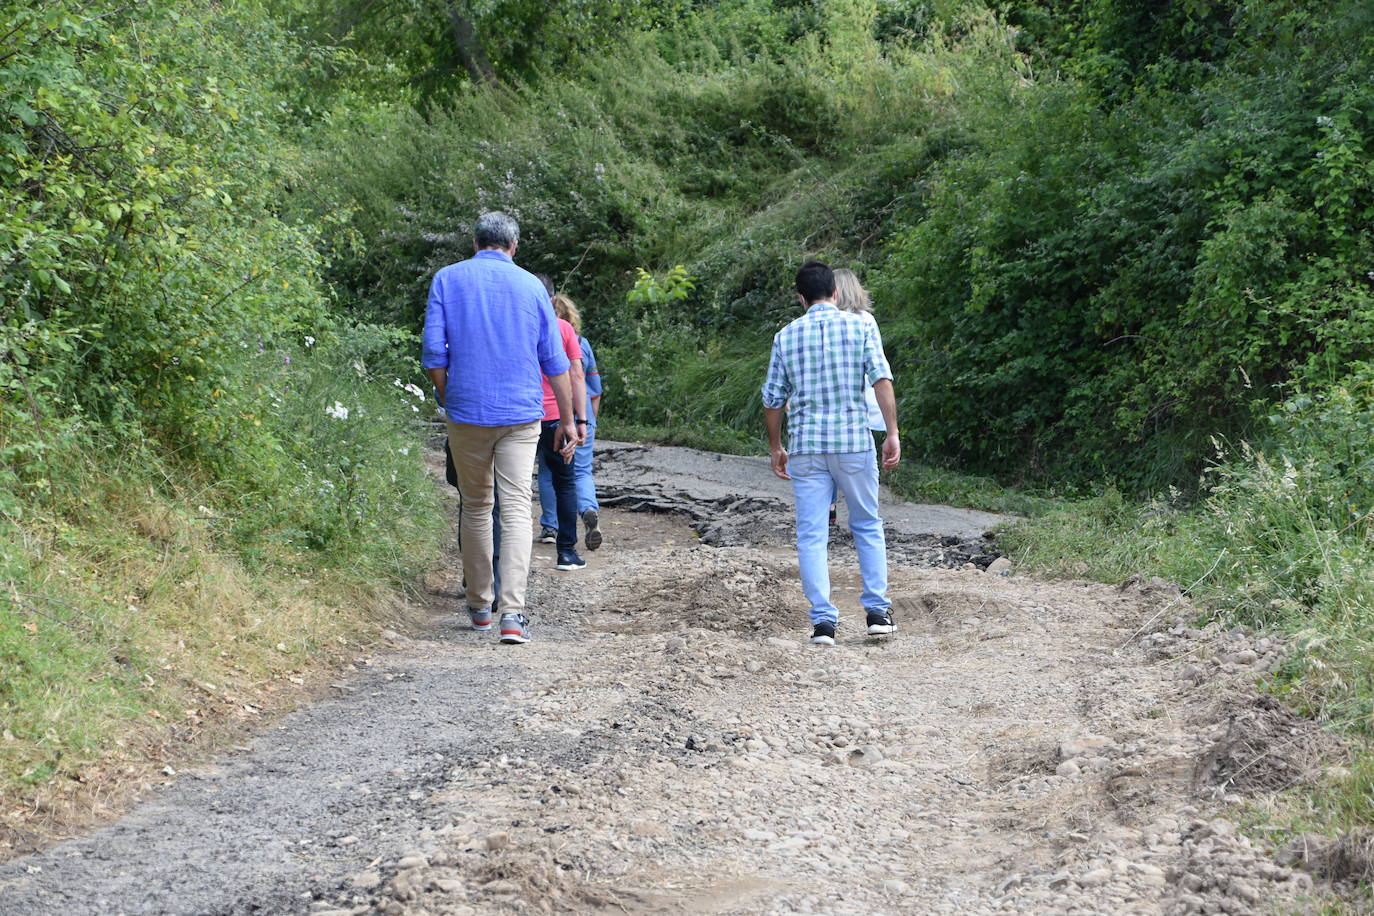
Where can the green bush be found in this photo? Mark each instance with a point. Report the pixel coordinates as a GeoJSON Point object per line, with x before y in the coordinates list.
{"type": "Point", "coordinates": [335, 468]}
{"type": "Point", "coordinates": [733, 163]}
{"type": "Point", "coordinates": [1106, 277]}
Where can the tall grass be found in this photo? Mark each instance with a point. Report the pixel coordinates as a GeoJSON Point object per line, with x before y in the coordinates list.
{"type": "Point", "coordinates": [174, 581]}
{"type": "Point", "coordinates": [1282, 538]}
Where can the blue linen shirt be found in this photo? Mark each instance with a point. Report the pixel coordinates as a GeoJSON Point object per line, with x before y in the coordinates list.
{"type": "Point", "coordinates": [819, 366]}
{"type": "Point", "coordinates": [593, 381]}
{"type": "Point", "coordinates": [491, 325]}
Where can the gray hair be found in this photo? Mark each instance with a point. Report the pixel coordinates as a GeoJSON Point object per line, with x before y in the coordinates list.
{"type": "Point", "coordinates": [496, 230]}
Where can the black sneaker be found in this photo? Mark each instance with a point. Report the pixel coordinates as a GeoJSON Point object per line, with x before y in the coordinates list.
{"type": "Point", "coordinates": [823, 634]}
{"type": "Point", "coordinates": [880, 624]}
{"type": "Point", "coordinates": [590, 520]}
{"type": "Point", "coordinates": [548, 535]}
{"type": "Point", "coordinates": [569, 561]}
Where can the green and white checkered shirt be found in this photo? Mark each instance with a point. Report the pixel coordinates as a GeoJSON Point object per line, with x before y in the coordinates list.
{"type": "Point", "coordinates": [819, 367]}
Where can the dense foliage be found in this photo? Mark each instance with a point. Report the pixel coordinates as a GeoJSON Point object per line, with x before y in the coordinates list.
{"type": "Point", "coordinates": [150, 279]}
{"type": "Point", "coordinates": [167, 358]}
{"type": "Point", "coordinates": [1126, 264]}
{"type": "Point", "coordinates": [1099, 236]}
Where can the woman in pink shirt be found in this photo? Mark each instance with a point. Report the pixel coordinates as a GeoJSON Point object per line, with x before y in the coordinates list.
{"type": "Point", "coordinates": [559, 466]}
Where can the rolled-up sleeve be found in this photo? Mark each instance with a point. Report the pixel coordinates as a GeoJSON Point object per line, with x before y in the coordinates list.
{"type": "Point", "coordinates": [434, 354]}
{"type": "Point", "coordinates": [777, 388]}
{"type": "Point", "coordinates": [552, 360]}
{"type": "Point", "coordinates": [875, 360]}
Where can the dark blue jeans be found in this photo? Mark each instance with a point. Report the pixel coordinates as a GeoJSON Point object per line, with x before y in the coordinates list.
{"type": "Point", "coordinates": [495, 542]}
{"type": "Point", "coordinates": [564, 486]}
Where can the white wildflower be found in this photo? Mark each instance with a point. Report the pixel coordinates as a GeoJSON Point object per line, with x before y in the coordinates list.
{"type": "Point", "coordinates": [1290, 476]}
{"type": "Point", "coordinates": [309, 341]}
{"type": "Point", "coordinates": [404, 450]}
{"type": "Point", "coordinates": [338, 411]}
{"type": "Point", "coordinates": [415, 390]}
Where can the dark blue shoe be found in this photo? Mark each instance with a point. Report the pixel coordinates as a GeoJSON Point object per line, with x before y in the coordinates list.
{"type": "Point", "coordinates": [880, 623]}
{"type": "Point", "coordinates": [570, 560]}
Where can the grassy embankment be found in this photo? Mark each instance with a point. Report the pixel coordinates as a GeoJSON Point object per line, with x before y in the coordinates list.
{"type": "Point", "coordinates": [152, 608]}
{"type": "Point", "coordinates": [1278, 539]}
{"type": "Point", "coordinates": [211, 487]}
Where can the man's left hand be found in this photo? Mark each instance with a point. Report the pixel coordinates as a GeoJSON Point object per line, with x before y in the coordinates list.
{"type": "Point", "coordinates": [892, 452]}
{"type": "Point", "coordinates": [567, 439]}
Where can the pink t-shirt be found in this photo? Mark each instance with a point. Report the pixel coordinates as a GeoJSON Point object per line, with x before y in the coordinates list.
{"type": "Point", "coordinates": [573, 349]}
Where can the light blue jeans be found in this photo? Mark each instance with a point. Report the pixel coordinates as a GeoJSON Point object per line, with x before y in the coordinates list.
{"type": "Point", "coordinates": [582, 476]}
{"type": "Point", "coordinates": [814, 480]}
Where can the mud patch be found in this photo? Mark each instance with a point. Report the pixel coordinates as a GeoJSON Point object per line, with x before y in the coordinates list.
{"type": "Point", "coordinates": [543, 881]}
{"type": "Point", "coordinates": [727, 587]}
{"type": "Point", "coordinates": [1265, 748]}
{"type": "Point", "coordinates": [1010, 764]}
{"type": "Point", "coordinates": [940, 610]}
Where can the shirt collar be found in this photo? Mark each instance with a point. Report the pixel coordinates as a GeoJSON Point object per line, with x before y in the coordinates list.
{"type": "Point", "coordinates": [823, 304]}
{"type": "Point", "coordinates": [491, 253]}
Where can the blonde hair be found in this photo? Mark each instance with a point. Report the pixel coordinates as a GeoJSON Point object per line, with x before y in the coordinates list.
{"type": "Point", "coordinates": [849, 292]}
{"type": "Point", "coordinates": [566, 309]}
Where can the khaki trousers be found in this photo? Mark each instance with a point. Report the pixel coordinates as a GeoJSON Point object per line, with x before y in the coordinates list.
{"type": "Point", "coordinates": [502, 456]}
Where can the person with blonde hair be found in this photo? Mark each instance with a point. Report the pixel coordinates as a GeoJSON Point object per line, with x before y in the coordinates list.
{"type": "Point", "coordinates": [850, 296]}
{"type": "Point", "coordinates": [587, 507]}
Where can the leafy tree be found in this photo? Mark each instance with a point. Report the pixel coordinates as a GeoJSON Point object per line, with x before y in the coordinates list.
{"type": "Point", "coordinates": [142, 164]}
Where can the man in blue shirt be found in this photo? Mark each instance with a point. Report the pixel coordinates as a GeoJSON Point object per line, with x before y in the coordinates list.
{"type": "Point", "coordinates": [819, 367]}
{"type": "Point", "coordinates": [489, 334]}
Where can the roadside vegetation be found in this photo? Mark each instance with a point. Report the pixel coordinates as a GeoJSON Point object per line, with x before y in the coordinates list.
{"type": "Point", "coordinates": [1122, 260]}
{"type": "Point", "coordinates": [208, 480]}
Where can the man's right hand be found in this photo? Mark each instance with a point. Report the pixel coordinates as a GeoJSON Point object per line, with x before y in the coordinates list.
{"type": "Point", "coordinates": [780, 463]}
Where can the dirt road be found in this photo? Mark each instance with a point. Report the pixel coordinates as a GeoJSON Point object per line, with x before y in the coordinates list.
{"type": "Point", "coordinates": [670, 743]}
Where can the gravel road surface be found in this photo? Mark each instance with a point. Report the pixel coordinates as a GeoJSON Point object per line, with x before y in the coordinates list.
{"type": "Point", "coordinates": [670, 743]}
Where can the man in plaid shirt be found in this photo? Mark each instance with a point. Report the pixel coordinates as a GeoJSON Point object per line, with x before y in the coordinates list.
{"type": "Point", "coordinates": [819, 365]}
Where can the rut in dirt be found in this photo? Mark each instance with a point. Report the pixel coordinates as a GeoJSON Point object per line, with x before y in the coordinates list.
{"type": "Point", "coordinates": [670, 743]}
